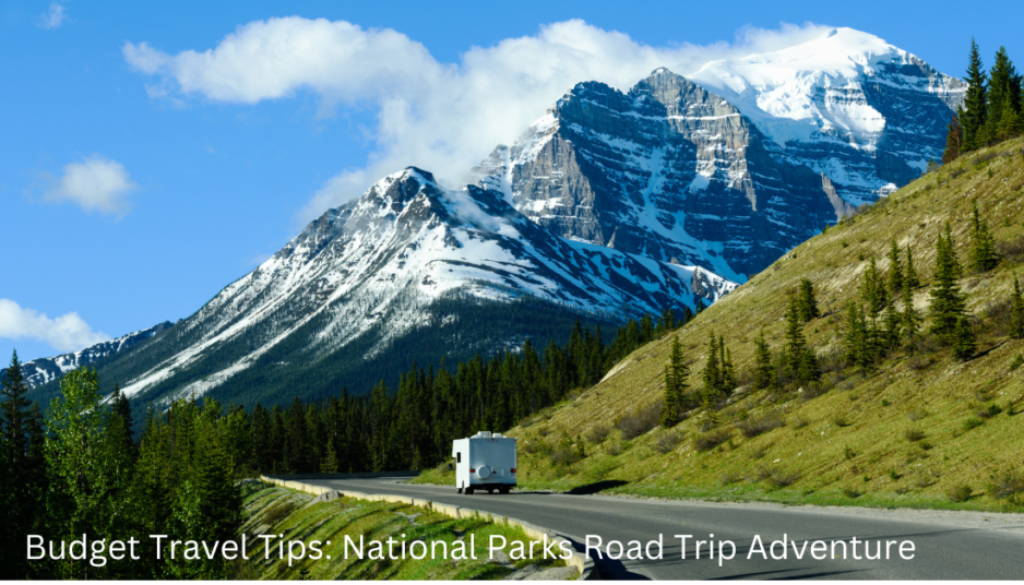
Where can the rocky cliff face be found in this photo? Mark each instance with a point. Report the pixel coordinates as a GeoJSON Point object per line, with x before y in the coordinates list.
{"type": "Point", "coordinates": [366, 276]}
{"type": "Point", "coordinates": [671, 170]}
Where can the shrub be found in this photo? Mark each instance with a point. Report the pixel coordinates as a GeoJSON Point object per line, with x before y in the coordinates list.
{"type": "Point", "coordinates": [851, 492]}
{"type": "Point", "coordinates": [756, 426]}
{"type": "Point", "coordinates": [1017, 362]}
{"type": "Point", "coordinates": [711, 439]}
{"type": "Point", "coordinates": [914, 435]}
{"type": "Point", "coordinates": [1012, 250]}
{"type": "Point", "coordinates": [917, 415]}
{"type": "Point", "coordinates": [989, 412]}
{"type": "Point", "coordinates": [729, 478]}
{"type": "Point", "coordinates": [924, 481]}
{"type": "Point", "coordinates": [667, 441]}
{"type": "Point", "coordinates": [972, 423]}
{"type": "Point", "coordinates": [840, 421]}
{"type": "Point", "coordinates": [1006, 483]}
{"type": "Point", "coordinates": [759, 452]}
{"type": "Point", "coordinates": [614, 448]}
{"type": "Point", "coordinates": [597, 434]}
{"type": "Point", "coordinates": [780, 478]}
{"type": "Point", "coordinates": [849, 453]}
{"type": "Point", "coordinates": [959, 493]}
{"type": "Point", "coordinates": [799, 422]}
{"type": "Point", "coordinates": [640, 420]}
{"type": "Point", "coordinates": [565, 454]}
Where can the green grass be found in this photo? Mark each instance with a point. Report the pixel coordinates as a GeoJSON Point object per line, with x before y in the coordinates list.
{"type": "Point", "coordinates": [275, 510]}
{"type": "Point", "coordinates": [852, 439]}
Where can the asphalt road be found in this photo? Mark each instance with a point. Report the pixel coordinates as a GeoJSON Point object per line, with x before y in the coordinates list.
{"type": "Point", "coordinates": [940, 551]}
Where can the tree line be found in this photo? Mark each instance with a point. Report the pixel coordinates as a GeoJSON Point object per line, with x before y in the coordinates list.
{"type": "Point", "coordinates": [991, 111]}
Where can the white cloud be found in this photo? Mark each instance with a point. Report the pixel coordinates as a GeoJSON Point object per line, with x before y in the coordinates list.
{"type": "Point", "coordinates": [66, 333]}
{"type": "Point", "coordinates": [54, 16]}
{"type": "Point", "coordinates": [438, 116]}
{"type": "Point", "coordinates": [96, 183]}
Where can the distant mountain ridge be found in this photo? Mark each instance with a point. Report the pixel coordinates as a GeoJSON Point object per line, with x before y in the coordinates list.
{"type": "Point", "coordinates": [44, 370]}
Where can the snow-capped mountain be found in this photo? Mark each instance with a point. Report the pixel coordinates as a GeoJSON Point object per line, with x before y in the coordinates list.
{"type": "Point", "coordinates": [366, 275]}
{"type": "Point", "coordinates": [848, 104]}
{"type": "Point", "coordinates": [731, 178]}
{"type": "Point", "coordinates": [43, 370]}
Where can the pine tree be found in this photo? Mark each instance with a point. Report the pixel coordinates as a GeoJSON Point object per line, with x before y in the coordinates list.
{"type": "Point", "coordinates": [728, 382]}
{"type": "Point", "coordinates": [1016, 312]}
{"type": "Point", "coordinates": [14, 440]}
{"type": "Point", "coordinates": [954, 139]}
{"type": "Point", "coordinates": [983, 249]}
{"type": "Point", "coordinates": [856, 340]}
{"type": "Point", "coordinates": [1003, 94]}
{"type": "Point", "coordinates": [964, 343]}
{"type": "Point", "coordinates": [873, 288]}
{"type": "Point", "coordinates": [1011, 122]}
{"type": "Point", "coordinates": [712, 375]}
{"type": "Point", "coordinates": [895, 276]}
{"type": "Point", "coordinates": [893, 331]}
{"type": "Point", "coordinates": [947, 302]}
{"type": "Point", "coordinates": [973, 115]}
{"type": "Point", "coordinates": [910, 320]}
{"type": "Point", "coordinates": [910, 275]}
{"type": "Point", "coordinates": [764, 371]}
{"type": "Point", "coordinates": [676, 374]}
{"type": "Point", "coordinates": [798, 362]}
{"type": "Point", "coordinates": [807, 304]}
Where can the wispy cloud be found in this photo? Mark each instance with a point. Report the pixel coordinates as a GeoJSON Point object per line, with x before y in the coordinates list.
{"type": "Point", "coordinates": [97, 183]}
{"type": "Point", "coordinates": [444, 117]}
{"type": "Point", "coordinates": [69, 332]}
{"type": "Point", "coordinates": [55, 16]}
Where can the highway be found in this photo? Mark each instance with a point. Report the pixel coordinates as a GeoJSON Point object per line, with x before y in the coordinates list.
{"type": "Point", "coordinates": [940, 551]}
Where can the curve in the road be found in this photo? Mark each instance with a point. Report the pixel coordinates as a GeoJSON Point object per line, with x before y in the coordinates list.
{"type": "Point", "coordinates": [939, 551]}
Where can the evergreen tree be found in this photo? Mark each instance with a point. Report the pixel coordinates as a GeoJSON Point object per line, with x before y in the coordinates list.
{"type": "Point", "coordinates": [873, 288]}
{"type": "Point", "coordinates": [910, 275]}
{"type": "Point", "coordinates": [973, 114]}
{"type": "Point", "coordinates": [947, 302]}
{"type": "Point", "coordinates": [806, 303]}
{"type": "Point", "coordinates": [856, 341]}
{"type": "Point", "coordinates": [19, 497]}
{"type": "Point", "coordinates": [954, 139]}
{"type": "Point", "coordinates": [712, 375]}
{"type": "Point", "coordinates": [798, 362]}
{"type": "Point", "coordinates": [983, 248]}
{"type": "Point", "coordinates": [910, 320]}
{"type": "Point", "coordinates": [1016, 312]}
{"type": "Point", "coordinates": [964, 343]}
{"type": "Point", "coordinates": [1003, 96]}
{"type": "Point", "coordinates": [894, 278]}
{"type": "Point", "coordinates": [892, 334]}
{"type": "Point", "coordinates": [728, 382]}
{"type": "Point", "coordinates": [764, 371]}
{"type": "Point", "coordinates": [676, 374]}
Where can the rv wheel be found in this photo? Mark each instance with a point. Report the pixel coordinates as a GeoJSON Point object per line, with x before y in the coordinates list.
{"type": "Point", "coordinates": [459, 490]}
{"type": "Point", "coordinates": [503, 490]}
{"type": "Point", "coordinates": [469, 491]}
{"type": "Point", "coordinates": [490, 490]}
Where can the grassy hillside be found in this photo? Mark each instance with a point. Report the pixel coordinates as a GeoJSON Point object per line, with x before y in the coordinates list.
{"type": "Point", "coordinates": [274, 510]}
{"type": "Point", "coordinates": [909, 433]}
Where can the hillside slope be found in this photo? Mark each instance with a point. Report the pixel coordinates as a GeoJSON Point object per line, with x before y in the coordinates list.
{"type": "Point", "coordinates": [897, 436]}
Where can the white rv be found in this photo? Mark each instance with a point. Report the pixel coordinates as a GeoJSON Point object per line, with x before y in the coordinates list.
{"type": "Point", "coordinates": [485, 461]}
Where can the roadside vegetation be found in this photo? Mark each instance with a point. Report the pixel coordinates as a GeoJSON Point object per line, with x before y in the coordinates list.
{"type": "Point", "coordinates": [274, 510]}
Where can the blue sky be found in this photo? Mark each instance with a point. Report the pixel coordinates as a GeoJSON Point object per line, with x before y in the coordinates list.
{"type": "Point", "coordinates": [137, 180]}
